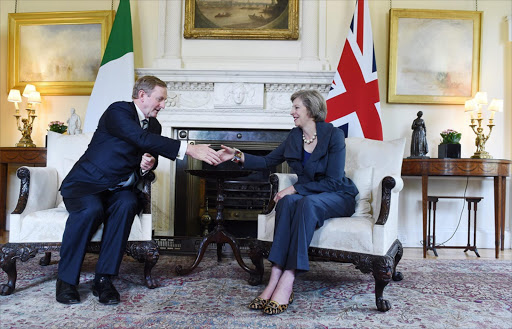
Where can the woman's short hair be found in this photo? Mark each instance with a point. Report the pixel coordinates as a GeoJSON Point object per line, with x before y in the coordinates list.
{"type": "Point", "coordinates": [146, 83]}
{"type": "Point", "coordinates": [314, 103]}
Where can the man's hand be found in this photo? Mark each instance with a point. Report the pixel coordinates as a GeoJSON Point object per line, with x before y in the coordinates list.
{"type": "Point", "coordinates": [147, 162]}
{"type": "Point", "coordinates": [204, 153]}
{"type": "Point", "coordinates": [287, 191]}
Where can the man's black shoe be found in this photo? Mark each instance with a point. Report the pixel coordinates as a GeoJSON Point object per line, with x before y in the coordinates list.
{"type": "Point", "coordinates": [66, 293]}
{"type": "Point", "coordinates": [106, 291]}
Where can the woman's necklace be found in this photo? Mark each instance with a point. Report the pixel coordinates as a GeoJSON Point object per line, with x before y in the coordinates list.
{"type": "Point", "coordinates": [308, 141]}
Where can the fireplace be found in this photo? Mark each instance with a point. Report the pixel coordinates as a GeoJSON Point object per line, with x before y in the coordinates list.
{"type": "Point", "coordinates": [245, 198]}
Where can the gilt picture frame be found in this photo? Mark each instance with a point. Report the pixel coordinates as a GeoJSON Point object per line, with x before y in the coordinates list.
{"type": "Point", "coordinates": [58, 52]}
{"type": "Point", "coordinates": [434, 56]}
{"type": "Point", "coordinates": [242, 19]}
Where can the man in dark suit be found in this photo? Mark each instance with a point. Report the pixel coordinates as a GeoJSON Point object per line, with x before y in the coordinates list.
{"type": "Point", "coordinates": [101, 187]}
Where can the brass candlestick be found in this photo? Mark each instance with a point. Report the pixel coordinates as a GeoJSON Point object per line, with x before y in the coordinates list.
{"type": "Point", "coordinates": [25, 127]}
{"type": "Point", "coordinates": [475, 105]}
{"type": "Point", "coordinates": [481, 139]}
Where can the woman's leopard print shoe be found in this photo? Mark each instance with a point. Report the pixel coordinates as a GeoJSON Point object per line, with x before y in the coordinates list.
{"type": "Point", "coordinates": [274, 307]}
{"type": "Point", "coordinates": [258, 303]}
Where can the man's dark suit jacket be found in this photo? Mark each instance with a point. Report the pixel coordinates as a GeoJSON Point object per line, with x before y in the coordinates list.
{"type": "Point", "coordinates": [325, 169]}
{"type": "Point", "coordinates": [115, 151]}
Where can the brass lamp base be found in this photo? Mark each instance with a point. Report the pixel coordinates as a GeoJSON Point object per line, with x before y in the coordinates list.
{"type": "Point", "coordinates": [25, 142]}
{"type": "Point", "coordinates": [481, 155]}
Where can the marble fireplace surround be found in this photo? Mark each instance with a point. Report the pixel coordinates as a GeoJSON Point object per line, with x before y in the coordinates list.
{"type": "Point", "coordinates": [221, 99]}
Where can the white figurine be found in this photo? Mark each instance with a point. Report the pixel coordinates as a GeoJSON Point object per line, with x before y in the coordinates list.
{"type": "Point", "coordinates": [74, 123]}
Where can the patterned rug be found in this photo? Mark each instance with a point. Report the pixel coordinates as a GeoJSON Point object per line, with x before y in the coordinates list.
{"type": "Point", "coordinates": [433, 294]}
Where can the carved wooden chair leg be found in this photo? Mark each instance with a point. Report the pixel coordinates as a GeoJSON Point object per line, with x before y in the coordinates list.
{"type": "Point", "coordinates": [382, 272]}
{"type": "Point", "coordinates": [8, 264]}
{"type": "Point", "coordinates": [146, 252]}
{"type": "Point", "coordinates": [256, 252]}
{"type": "Point", "coordinates": [398, 276]}
{"type": "Point", "coordinates": [9, 253]}
{"type": "Point", "coordinates": [46, 259]}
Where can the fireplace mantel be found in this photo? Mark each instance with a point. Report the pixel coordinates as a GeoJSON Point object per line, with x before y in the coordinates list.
{"type": "Point", "coordinates": [222, 99]}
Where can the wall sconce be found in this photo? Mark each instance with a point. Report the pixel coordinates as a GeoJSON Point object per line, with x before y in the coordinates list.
{"type": "Point", "coordinates": [475, 105]}
{"type": "Point", "coordinates": [26, 125]}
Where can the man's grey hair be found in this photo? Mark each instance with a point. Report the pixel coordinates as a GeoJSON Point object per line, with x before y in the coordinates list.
{"type": "Point", "coordinates": [148, 84]}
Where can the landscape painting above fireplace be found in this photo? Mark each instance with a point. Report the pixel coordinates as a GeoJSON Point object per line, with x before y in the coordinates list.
{"type": "Point", "coordinates": [237, 19]}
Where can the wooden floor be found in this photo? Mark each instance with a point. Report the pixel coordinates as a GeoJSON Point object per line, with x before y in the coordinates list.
{"type": "Point", "coordinates": [409, 253]}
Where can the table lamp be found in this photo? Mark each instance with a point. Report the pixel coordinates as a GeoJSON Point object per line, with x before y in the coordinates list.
{"type": "Point", "coordinates": [475, 105]}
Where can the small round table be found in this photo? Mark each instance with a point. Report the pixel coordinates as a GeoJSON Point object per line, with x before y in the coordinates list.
{"type": "Point", "coordinates": [219, 235]}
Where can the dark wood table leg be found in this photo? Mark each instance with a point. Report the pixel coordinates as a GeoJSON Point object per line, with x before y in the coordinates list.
{"type": "Point", "coordinates": [497, 213]}
{"type": "Point", "coordinates": [212, 237]}
{"type": "Point", "coordinates": [3, 195]}
{"type": "Point", "coordinates": [503, 203]}
{"type": "Point", "coordinates": [424, 197]}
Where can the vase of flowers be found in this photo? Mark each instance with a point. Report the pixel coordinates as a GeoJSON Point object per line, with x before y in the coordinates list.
{"type": "Point", "coordinates": [56, 126]}
{"type": "Point", "coordinates": [450, 146]}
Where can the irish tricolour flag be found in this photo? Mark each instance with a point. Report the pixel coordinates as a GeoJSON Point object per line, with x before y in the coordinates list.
{"type": "Point", "coordinates": [115, 78]}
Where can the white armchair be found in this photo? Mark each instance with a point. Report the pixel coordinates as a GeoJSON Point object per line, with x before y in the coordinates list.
{"type": "Point", "coordinates": [368, 239]}
{"type": "Point", "coordinates": [38, 221]}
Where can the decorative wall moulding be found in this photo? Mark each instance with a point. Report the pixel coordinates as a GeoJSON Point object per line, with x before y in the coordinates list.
{"type": "Point", "coordinates": [219, 97]}
{"type": "Point", "coordinates": [238, 95]}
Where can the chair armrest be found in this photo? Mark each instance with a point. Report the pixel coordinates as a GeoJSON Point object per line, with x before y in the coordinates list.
{"type": "Point", "coordinates": [390, 184]}
{"type": "Point", "coordinates": [38, 189]}
{"type": "Point", "coordinates": [278, 182]}
{"type": "Point", "coordinates": [147, 180]}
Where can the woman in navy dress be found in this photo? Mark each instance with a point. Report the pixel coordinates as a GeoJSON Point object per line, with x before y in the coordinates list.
{"type": "Point", "coordinates": [315, 150]}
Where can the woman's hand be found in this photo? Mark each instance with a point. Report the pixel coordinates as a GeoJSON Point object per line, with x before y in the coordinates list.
{"type": "Point", "coordinates": [287, 191]}
{"type": "Point", "coordinates": [226, 153]}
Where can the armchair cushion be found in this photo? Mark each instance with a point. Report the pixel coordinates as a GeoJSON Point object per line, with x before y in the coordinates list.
{"type": "Point", "coordinates": [362, 177]}
{"type": "Point", "coordinates": [63, 151]}
{"type": "Point", "coordinates": [345, 233]}
{"type": "Point", "coordinates": [37, 228]}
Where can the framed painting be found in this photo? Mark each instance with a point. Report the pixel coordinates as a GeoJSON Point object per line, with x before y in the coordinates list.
{"type": "Point", "coordinates": [434, 56]}
{"type": "Point", "coordinates": [242, 19]}
{"type": "Point", "coordinates": [58, 52]}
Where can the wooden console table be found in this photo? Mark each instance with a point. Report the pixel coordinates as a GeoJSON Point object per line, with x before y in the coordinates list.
{"type": "Point", "coordinates": [19, 155]}
{"type": "Point", "coordinates": [497, 168]}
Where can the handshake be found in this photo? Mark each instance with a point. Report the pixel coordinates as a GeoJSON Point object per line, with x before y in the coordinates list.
{"type": "Point", "coordinates": [204, 153]}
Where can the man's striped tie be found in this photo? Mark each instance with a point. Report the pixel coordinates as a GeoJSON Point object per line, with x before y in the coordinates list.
{"type": "Point", "coordinates": [145, 124]}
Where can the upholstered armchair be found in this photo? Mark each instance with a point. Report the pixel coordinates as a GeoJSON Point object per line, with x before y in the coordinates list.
{"type": "Point", "coordinates": [38, 221]}
{"type": "Point", "coordinates": [368, 239]}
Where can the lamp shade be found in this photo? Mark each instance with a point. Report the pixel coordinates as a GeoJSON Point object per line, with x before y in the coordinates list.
{"type": "Point", "coordinates": [28, 89]}
{"type": "Point", "coordinates": [496, 105]}
{"type": "Point", "coordinates": [470, 105]}
{"type": "Point", "coordinates": [14, 96]}
{"type": "Point", "coordinates": [34, 97]}
{"type": "Point", "coordinates": [481, 97]}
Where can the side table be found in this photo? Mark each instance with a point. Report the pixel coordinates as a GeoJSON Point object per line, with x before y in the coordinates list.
{"type": "Point", "coordinates": [499, 169]}
{"type": "Point", "coordinates": [219, 235]}
{"type": "Point", "coordinates": [432, 201]}
{"type": "Point", "coordinates": [16, 155]}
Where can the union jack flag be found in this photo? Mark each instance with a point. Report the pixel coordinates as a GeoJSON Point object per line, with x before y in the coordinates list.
{"type": "Point", "coordinates": [353, 102]}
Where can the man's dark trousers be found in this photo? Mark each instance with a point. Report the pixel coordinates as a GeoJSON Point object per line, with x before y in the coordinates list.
{"type": "Point", "coordinates": [116, 210]}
